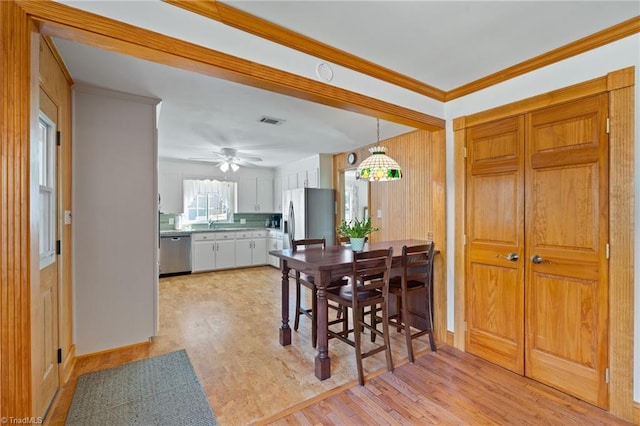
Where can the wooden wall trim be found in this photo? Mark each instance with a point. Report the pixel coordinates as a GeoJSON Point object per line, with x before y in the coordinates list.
{"type": "Point", "coordinates": [621, 217]}
{"type": "Point", "coordinates": [59, 60]}
{"type": "Point", "coordinates": [601, 38]}
{"type": "Point", "coordinates": [621, 240]}
{"type": "Point", "coordinates": [69, 23]}
{"type": "Point", "coordinates": [15, 294]}
{"type": "Point", "coordinates": [439, 225]}
{"type": "Point", "coordinates": [569, 93]}
{"type": "Point", "coordinates": [459, 268]}
{"type": "Point", "coordinates": [252, 24]}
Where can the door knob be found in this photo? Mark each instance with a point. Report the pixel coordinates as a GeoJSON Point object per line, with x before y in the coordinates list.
{"type": "Point", "coordinates": [512, 257]}
{"type": "Point", "coordinates": [537, 259]}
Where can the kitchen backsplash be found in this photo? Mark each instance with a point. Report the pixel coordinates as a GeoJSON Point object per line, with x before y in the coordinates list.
{"type": "Point", "coordinates": [168, 221]}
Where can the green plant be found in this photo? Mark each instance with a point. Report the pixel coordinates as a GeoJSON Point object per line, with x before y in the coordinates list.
{"type": "Point", "coordinates": [356, 228]}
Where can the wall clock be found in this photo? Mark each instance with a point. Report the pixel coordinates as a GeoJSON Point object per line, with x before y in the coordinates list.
{"type": "Point", "coordinates": [351, 158]}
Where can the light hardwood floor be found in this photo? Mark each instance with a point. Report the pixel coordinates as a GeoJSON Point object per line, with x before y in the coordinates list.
{"type": "Point", "coordinates": [228, 323]}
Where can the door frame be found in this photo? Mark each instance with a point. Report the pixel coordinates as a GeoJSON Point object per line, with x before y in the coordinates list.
{"type": "Point", "coordinates": [620, 87]}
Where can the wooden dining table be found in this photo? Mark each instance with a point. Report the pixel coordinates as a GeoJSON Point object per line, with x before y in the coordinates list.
{"type": "Point", "coordinates": [330, 263]}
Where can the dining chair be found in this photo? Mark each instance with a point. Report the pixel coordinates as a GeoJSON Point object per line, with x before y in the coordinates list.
{"type": "Point", "coordinates": [366, 292]}
{"type": "Point", "coordinates": [341, 240]}
{"type": "Point", "coordinates": [415, 279]}
{"type": "Point", "coordinates": [302, 279]}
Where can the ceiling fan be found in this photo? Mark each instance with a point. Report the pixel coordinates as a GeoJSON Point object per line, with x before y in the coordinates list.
{"type": "Point", "coordinates": [230, 158]}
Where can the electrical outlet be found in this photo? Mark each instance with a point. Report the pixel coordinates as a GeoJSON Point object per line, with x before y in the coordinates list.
{"type": "Point", "coordinates": [243, 221]}
{"type": "Point", "coordinates": [171, 221]}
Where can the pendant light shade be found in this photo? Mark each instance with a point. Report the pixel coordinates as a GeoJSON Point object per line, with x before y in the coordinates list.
{"type": "Point", "coordinates": [379, 167]}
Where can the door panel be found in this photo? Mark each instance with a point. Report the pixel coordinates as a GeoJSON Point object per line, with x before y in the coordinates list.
{"type": "Point", "coordinates": [495, 228]}
{"type": "Point", "coordinates": [566, 217]}
{"type": "Point", "coordinates": [45, 310]}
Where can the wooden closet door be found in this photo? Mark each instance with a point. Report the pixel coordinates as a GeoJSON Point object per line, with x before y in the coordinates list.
{"type": "Point", "coordinates": [566, 227]}
{"type": "Point", "coordinates": [495, 228]}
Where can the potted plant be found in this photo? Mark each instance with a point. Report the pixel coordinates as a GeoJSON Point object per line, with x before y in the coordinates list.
{"type": "Point", "coordinates": [357, 230]}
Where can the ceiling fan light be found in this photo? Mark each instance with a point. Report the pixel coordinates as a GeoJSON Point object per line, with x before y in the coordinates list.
{"type": "Point", "coordinates": [234, 167]}
{"type": "Point", "coordinates": [224, 166]}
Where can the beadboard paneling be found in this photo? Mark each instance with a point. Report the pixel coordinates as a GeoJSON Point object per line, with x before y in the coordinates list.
{"type": "Point", "coordinates": [411, 207]}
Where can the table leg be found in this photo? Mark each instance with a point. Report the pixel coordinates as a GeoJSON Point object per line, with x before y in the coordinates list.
{"type": "Point", "coordinates": [323, 362]}
{"type": "Point", "coordinates": [285, 330]}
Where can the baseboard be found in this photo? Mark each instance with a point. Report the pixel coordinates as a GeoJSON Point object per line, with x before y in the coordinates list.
{"type": "Point", "coordinates": [106, 351]}
{"type": "Point", "coordinates": [450, 338]}
{"type": "Point", "coordinates": [636, 413]}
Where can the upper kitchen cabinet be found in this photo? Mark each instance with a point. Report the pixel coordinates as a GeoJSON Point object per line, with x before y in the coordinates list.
{"type": "Point", "coordinates": [311, 172]}
{"type": "Point", "coordinates": [255, 195]}
{"type": "Point", "coordinates": [277, 193]}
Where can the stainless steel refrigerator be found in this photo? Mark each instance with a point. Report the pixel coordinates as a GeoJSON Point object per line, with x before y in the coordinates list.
{"type": "Point", "coordinates": [308, 213]}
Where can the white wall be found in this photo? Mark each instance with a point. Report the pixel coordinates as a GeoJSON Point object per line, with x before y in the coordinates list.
{"type": "Point", "coordinates": [114, 219]}
{"type": "Point", "coordinates": [171, 173]}
{"type": "Point", "coordinates": [589, 65]}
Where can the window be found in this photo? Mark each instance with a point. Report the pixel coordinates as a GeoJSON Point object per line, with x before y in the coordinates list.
{"type": "Point", "coordinates": [46, 181]}
{"type": "Point", "coordinates": [208, 200]}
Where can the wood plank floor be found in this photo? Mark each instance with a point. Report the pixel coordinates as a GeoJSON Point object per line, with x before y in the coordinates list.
{"type": "Point", "coordinates": [228, 323]}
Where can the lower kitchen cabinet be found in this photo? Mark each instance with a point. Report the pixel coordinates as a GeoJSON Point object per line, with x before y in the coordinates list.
{"type": "Point", "coordinates": [213, 250]}
{"type": "Point", "coordinates": [225, 254]}
{"type": "Point", "coordinates": [251, 248]}
{"type": "Point", "coordinates": [274, 242]}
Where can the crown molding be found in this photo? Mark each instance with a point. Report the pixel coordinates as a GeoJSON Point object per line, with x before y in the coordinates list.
{"type": "Point", "coordinates": [244, 21]}
{"type": "Point", "coordinates": [601, 38]}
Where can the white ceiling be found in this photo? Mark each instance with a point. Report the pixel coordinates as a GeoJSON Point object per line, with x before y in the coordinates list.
{"type": "Point", "coordinates": [443, 43]}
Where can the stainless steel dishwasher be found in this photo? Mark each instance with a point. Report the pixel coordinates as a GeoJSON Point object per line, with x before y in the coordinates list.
{"type": "Point", "coordinates": [175, 254]}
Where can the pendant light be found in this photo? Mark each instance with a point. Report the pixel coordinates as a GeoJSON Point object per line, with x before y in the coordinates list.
{"type": "Point", "coordinates": [379, 167]}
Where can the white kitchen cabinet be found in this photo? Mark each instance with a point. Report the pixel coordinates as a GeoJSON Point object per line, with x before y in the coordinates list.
{"type": "Point", "coordinates": [213, 250]}
{"type": "Point", "coordinates": [274, 242]}
{"type": "Point", "coordinates": [277, 194]}
{"type": "Point", "coordinates": [264, 195]}
{"type": "Point", "coordinates": [251, 248]}
{"type": "Point", "coordinates": [225, 254]}
{"type": "Point", "coordinates": [203, 252]}
{"type": "Point", "coordinates": [292, 181]}
{"type": "Point", "coordinates": [312, 178]}
{"type": "Point", "coordinates": [308, 178]}
{"type": "Point", "coordinates": [259, 252]}
{"type": "Point", "coordinates": [255, 195]}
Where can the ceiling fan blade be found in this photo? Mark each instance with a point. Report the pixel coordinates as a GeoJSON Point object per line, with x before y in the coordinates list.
{"type": "Point", "coordinates": [248, 158]}
{"type": "Point", "coordinates": [208, 159]}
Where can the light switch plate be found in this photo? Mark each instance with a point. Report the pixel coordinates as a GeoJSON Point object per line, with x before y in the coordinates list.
{"type": "Point", "coordinates": [67, 217]}
{"type": "Point", "coordinates": [379, 214]}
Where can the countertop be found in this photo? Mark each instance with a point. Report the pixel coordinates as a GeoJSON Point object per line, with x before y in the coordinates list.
{"type": "Point", "coordinates": [185, 232]}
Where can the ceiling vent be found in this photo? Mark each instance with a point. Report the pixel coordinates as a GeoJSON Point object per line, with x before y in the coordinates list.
{"type": "Point", "coordinates": [271, 120]}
